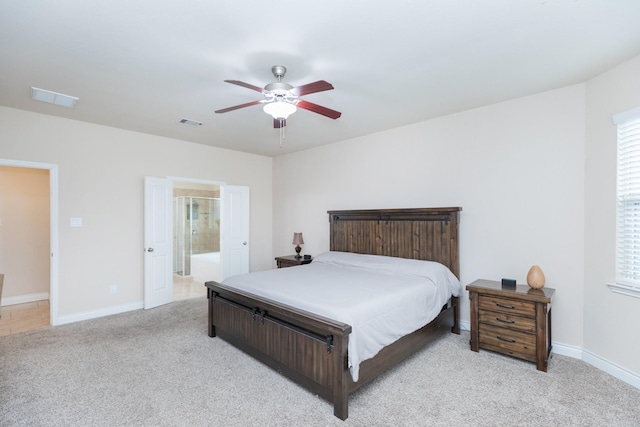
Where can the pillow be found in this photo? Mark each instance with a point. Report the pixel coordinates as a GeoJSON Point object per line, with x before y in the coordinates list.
{"type": "Point", "coordinates": [434, 271]}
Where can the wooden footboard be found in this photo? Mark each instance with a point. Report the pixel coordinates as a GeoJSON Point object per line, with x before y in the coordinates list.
{"type": "Point", "coordinates": [309, 349]}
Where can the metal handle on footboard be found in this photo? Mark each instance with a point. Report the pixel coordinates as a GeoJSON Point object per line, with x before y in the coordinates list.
{"type": "Point", "coordinates": [255, 311]}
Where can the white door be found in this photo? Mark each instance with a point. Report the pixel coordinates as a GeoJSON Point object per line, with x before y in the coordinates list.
{"type": "Point", "coordinates": [235, 230]}
{"type": "Point", "coordinates": [158, 227]}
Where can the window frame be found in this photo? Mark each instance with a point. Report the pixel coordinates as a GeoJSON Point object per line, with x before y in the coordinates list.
{"type": "Point", "coordinates": [627, 208]}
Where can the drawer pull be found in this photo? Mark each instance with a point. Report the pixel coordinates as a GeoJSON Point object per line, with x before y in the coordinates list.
{"type": "Point", "coordinates": [505, 320]}
{"type": "Point", "coordinates": [505, 306]}
{"type": "Point", "coordinates": [505, 339]}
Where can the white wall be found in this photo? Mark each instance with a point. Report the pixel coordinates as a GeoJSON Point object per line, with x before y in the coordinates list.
{"type": "Point", "coordinates": [516, 168]}
{"type": "Point", "coordinates": [611, 320]}
{"type": "Point", "coordinates": [101, 174]}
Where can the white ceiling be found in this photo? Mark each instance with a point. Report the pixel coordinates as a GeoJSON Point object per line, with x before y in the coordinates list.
{"type": "Point", "coordinates": [145, 64]}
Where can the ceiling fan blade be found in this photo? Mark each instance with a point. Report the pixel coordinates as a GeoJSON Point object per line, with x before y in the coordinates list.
{"type": "Point", "coordinates": [279, 123]}
{"type": "Point", "coordinates": [247, 85]}
{"type": "Point", "coordinates": [237, 107]}
{"type": "Point", "coordinates": [314, 87]}
{"type": "Point", "coordinates": [332, 114]}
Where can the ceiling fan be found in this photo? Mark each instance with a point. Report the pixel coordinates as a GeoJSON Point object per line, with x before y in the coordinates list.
{"type": "Point", "coordinates": [281, 99]}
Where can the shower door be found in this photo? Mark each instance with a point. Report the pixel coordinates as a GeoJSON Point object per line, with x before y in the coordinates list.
{"type": "Point", "coordinates": [196, 234]}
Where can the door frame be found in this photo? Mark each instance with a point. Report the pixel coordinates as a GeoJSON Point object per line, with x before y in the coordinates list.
{"type": "Point", "coordinates": [53, 228]}
{"type": "Point", "coordinates": [196, 181]}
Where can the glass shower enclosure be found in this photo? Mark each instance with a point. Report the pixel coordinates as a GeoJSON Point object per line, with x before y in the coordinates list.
{"type": "Point", "coordinates": [196, 231]}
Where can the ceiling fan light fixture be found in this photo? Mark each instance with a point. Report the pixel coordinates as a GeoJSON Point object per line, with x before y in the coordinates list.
{"type": "Point", "coordinates": [279, 109]}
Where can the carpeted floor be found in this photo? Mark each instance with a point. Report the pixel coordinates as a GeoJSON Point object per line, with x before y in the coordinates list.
{"type": "Point", "coordinates": [159, 368]}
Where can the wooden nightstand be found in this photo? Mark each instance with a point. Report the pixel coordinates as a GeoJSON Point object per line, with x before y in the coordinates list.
{"type": "Point", "coordinates": [291, 261]}
{"type": "Point", "coordinates": [512, 320]}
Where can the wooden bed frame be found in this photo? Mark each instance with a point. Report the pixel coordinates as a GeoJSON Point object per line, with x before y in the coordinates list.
{"type": "Point", "coordinates": [312, 350]}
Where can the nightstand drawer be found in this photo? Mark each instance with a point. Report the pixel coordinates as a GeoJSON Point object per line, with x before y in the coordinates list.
{"type": "Point", "coordinates": [507, 320]}
{"type": "Point", "coordinates": [505, 305]}
{"type": "Point", "coordinates": [507, 341]}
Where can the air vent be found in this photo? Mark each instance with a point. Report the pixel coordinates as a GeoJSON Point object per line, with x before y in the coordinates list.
{"type": "Point", "coordinates": [53, 97]}
{"type": "Point", "coordinates": [190, 122]}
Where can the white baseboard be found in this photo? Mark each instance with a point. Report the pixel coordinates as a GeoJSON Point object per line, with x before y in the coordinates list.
{"type": "Point", "coordinates": [76, 317]}
{"type": "Point", "coordinates": [23, 299]}
{"type": "Point", "coordinates": [567, 350]}
{"type": "Point", "coordinates": [612, 369]}
{"type": "Point", "coordinates": [601, 363]}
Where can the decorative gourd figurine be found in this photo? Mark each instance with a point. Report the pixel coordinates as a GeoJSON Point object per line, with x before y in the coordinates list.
{"type": "Point", "coordinates": [535, 277]}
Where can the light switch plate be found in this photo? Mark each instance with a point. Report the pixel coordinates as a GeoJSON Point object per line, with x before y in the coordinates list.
{"type": "Point", "coordinates": [75, 222]}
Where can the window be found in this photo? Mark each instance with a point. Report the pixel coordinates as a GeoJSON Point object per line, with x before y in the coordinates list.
{"type": "Point", "coordinates": [628, 204]}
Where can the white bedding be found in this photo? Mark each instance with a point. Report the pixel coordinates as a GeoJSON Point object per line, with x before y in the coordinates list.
{"type": "Point", "coordinates": [382, 298]}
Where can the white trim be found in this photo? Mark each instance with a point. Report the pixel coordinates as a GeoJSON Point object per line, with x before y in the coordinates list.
{"type": "Point", "coordinates": [599, 362]}
{"type": "Point", "coordinates": [199, 181]}
{"type": "Point", "coordinates": [24, 299]}
{"type": "Point", "coordinates": [625, 116]}
{"type": "Point", "coordinates": [53, 228]}
{"type": "Point", "coordinates": [621, 288]}
{"type": "Point", "coordinates": [87, 315]}
{"type": "Point", "coordinates": [611, 368]}
{"type": "Point", "coordinates": [566, 350]}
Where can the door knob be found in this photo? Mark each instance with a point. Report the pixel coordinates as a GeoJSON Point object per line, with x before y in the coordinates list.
{"type": "Point", "coordinates": [150, 250]}
{"type": "Point", "coordinates": [244, 243]}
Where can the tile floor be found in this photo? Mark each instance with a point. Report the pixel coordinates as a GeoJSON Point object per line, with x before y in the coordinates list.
{"type": "Point", "coordinates": [35, 315]}
{"type": "Point", "coordinates": [185, 288]}
{"type": "Point", "coordinates": [24, 317]}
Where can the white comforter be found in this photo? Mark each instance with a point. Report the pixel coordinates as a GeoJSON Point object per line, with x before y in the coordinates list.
{"type": "Point", "coordinates": [382, 298]}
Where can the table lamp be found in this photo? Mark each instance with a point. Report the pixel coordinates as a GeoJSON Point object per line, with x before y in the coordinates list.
{"type": "Point", "coordinates": [297, 240]}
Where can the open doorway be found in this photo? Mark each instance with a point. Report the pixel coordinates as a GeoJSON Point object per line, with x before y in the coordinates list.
{"type": "Point", "coordinates": [158, 259]}
{"type": "Point", "coordinates": [28, 245]}
{"type": "Point", "coordinates": [196, 238]}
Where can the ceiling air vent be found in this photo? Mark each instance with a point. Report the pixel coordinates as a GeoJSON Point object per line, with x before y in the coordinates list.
{"type": "Point", "coordinates": [53, 97]}
{"type": "Point", "coordinates": [190, 122]}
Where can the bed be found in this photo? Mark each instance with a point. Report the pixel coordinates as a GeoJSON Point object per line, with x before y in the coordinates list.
{"type": "Point", "coordinates": [313, 349]}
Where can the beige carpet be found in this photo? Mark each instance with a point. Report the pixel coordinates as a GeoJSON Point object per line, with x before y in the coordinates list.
{"type": "Point", "coordinates": [159, 368]}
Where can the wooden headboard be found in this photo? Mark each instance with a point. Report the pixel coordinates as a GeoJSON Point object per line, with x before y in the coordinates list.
{"type": "Point", "coordinates": [421, 233]}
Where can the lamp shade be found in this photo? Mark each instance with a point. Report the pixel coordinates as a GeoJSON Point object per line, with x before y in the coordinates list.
{"type": "Point", "coordinates": [297, 239]}
{"type": "Point", "coordinates": [279, 109]}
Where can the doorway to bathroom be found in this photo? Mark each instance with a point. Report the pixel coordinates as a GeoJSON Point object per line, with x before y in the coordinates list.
{"type": "Point", "coordinates": [196, 238]}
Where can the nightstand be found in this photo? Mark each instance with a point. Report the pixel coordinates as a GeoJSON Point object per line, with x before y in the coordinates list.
{"type": "Point", "coordinates": [291, 261]}
{"type": "Point", "coordinates": [512, 320]}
